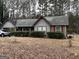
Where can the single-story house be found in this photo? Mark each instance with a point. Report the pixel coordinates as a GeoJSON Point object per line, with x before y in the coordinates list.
{"type": "Point", "coordinates": [48, 24]}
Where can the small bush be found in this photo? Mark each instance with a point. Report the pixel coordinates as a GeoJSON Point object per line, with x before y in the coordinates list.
{"type": "Point", "coordinates": [37, 34]}
{"type": "Point", "coordinates": [19, 34]}
{"type": "Point", "coordinates": [56, 35]}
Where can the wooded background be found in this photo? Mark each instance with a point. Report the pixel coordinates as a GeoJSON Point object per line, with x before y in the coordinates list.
{"type": "Point", "coordinates": [10, 9]}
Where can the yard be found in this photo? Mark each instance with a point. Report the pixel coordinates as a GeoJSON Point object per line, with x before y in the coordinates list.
{"type": "Point", "coordinates": [39, 48]}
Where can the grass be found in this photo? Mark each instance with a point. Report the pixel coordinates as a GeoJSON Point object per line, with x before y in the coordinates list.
{"type": "Point", "coordinates": [34, 41]}
{"type": "Point", "coordinates": [14, 47]}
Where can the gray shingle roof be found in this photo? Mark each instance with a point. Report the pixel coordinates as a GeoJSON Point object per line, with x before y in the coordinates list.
{"type": "Point", "coordinates": [58, 20]}
{"type": "Point", "coordinates": [25, 22]}
{"type": "Point", "coordinates": [55, 20]}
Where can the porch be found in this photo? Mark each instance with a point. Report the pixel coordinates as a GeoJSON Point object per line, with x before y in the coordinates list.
{"type": "Point", "coordinates": [22, 29]}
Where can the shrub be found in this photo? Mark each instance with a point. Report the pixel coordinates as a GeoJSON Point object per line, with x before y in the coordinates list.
{"type": "Point", "coordinates": [56, 35]}
{"type": "Point", "coordinates": [37, 34]}
{"type": "Point", "coordinates": [22, 34]}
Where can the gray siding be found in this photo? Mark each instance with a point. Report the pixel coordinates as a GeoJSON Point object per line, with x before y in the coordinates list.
{"type": "Point", "coordinates": [40, 24]}
{"type": "Point", "coordinates": [8, 25]}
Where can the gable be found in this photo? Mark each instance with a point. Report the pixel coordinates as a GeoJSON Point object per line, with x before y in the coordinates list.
{"type": "Point", "coordinates": [8, 25]}
{"type": "Point", "coordinates": [42, 23]}
{"type": "Point", "coordinates": [42, 20]}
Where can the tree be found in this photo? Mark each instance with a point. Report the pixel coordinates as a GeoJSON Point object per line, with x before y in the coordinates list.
{"type": "Point", "coordinates": [42, 7]}
{"type": "Point", "coordinates": [59, 7]}
{"type": "Point", "coordinates": [21, 8]}
{"type": "Point", "coordinates": [25, 8]}
{"type": "Point", "coordinates": [3, 12]}
{"type": "Point", "coordinates": [76, 6]}
{"type": "Point", "coordinates": [73, 23]}
{"type": "Point", "coordinates": [54, 7]}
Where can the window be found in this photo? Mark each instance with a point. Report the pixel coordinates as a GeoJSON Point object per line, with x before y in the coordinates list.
{"type": "Point", "coordinates": [58, 28]}
{"type": "Point", "coordinates": [41, 28]}
{"type": "Point", "coordinates": [44, 28]}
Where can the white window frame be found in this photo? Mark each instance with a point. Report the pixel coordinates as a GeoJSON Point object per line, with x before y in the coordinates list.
{"type": "Point", "coordinates": [39, 28]}
{"type": "Point", "coordinates": [42, 28]}
{"type": "Point", "coordinates": [58, 30]}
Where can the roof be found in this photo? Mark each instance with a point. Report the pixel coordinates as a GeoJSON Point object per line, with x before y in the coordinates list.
{"type": "Point", "coordinates": [55, 20]}
{"type": "Point", "coordinates": [41, 17]}
{"type": "Point", "coordinates": [8, 24]}
{"type": "Point", "coordinates": [25, 22]}
{"type": "Point", "coordinates": [58, 20]}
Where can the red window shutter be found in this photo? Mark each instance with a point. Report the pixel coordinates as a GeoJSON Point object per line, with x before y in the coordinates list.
{"type": "Point", "coordinates": [53, 29]}
{"type": "Point", "coordinates": [62, 27]}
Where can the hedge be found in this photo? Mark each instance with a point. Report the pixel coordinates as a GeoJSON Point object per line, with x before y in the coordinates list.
{"type": "Point", "coordinates": [37, 34]}
{"type": "Point", "coordinates": [20, 34]}
{"type": "Point", "coordinates": [56, 35]}
{"type": "Point", "coordinates": [53, 35]}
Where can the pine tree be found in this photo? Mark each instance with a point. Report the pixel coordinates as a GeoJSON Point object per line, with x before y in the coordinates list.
{"type": "Point", "coordinates": [76, 6]}
{"type": "Point", "coordinates": [59, 7]}
{"type": "Point", "coordinates": [1, 11]}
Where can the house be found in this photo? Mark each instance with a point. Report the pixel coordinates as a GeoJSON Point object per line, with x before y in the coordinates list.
{"type": "Point", "coordinates": [48, 24]}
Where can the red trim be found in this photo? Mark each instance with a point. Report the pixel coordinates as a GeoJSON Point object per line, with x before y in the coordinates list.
{"type": "Point", "coordinates": [62, 27]}
{"type": "Point", "coordinates": [52, 28]}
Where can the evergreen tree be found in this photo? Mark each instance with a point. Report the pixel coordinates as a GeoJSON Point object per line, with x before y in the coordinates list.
{"type": "Point", "coordinates": [60, 6]}
{"type": "Point", "coordinates": [1, 11]}
{"type": "Point", "coordinates": [54, 7]}
{"type": "Point", "coordinates": [76, 6]}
